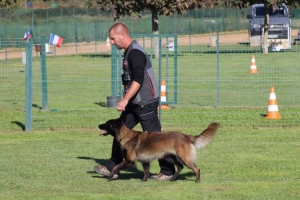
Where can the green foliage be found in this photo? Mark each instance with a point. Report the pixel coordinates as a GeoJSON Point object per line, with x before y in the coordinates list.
{"type": "Point", "coordinates": [9, 3]}
{"type": "Point", "coordinates": [170, 7]}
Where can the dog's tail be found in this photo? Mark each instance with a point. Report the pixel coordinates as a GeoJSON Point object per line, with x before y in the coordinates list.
{"type": "Point", "coordinates": [200, 141]}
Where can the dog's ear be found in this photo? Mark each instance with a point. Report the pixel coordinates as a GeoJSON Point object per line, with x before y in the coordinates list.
{"type": "Point", "coordinates": [117, 123]}
{"type": "Point", "coordinates": [108, 124]}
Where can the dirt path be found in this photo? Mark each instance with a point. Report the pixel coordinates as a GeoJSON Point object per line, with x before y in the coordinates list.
{"type": "Point", "coordinates": [71, 49]}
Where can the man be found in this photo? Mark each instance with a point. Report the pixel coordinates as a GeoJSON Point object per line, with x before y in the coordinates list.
{"type": "Point", "coordinates": [141, 97]}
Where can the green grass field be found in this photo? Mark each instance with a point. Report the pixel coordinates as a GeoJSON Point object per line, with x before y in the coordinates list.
{"type": "Point", "coordinates": [250, 158]}
{"type": "Point", "coordinates": [255, 160]}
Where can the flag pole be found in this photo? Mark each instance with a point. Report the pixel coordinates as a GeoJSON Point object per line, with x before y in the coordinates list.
{"type": "Point", "coordinates": [49, 41]}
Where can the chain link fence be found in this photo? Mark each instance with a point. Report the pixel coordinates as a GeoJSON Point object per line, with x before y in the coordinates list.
{"type": "Point", "coordinates": [212, 69]}
{"type": "Point", "coordinates": [86, 25]}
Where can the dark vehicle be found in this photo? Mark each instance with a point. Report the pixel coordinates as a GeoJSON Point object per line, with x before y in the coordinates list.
{"type": "Point", "coordinates": [279, 21]}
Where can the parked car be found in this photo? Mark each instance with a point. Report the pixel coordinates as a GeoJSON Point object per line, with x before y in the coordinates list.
{"type": "Point", "coordinates": [279, 29]}
{"type": "Point", "coordinates": [279, 21]}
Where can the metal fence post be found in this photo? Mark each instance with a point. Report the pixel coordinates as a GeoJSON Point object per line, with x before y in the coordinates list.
{"type": "Point", "coordinates": [28, 92]}
{"type": "Point", "coordinates": [95, 37]}
{"type": "Point", "coordinates": [76, 36]}
{"type": "Point", "coordinates": [175, 69]}
{"type": "Point", "coordinates": [44, 74]}
{"type": "Point", "coordinates": [6, 44]}
{"type": "Point", "coordinates": [113, 70]}
{"type": "Point", "coordinates": [218, 72]}
{"type": "Point", "coordinates": [190, 40]}
{"type": "Point", "coordinates": [119, 73]}
{"type": "Point", "coordinates": [159, 77]}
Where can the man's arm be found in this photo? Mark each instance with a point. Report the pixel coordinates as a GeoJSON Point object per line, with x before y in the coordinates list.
{"type": "Point", "coordinates": [135, 86]}
{"type": "Point", "coordinates": [137, 61]}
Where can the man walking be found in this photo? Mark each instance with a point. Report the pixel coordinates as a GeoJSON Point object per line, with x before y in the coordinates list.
{"type": "Point", "coordinates": [140, 98]}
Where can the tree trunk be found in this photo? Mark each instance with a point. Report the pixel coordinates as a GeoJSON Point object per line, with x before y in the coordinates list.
{"type": "Point", "coordinates": [266, 30]}
{"type": "Point", "coordinates": [154, 19]}
{"type": "Point", "coordinates": [116, 17]}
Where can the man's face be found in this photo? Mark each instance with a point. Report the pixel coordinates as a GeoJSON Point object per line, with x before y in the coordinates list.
{"type": "Point", "coordinates": [116, 39]}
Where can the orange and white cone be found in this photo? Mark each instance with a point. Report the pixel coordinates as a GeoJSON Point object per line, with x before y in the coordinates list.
{"type": "Point", "coordinates": [163, 95]}
{"type": "Point", "coordinates": [253, 69]}
{"type": "Point", "coordinates": [273, 112]}
{"type": "Point", "coordinates": [107, 43]}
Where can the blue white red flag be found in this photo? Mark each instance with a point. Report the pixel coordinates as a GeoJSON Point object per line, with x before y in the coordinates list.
{"type": "Point", "coordinates": [27, 34]}
{"type": "Point", "coordinates": [55, 40]}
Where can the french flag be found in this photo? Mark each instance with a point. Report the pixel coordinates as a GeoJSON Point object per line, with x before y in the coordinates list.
{"type": "Point", "coordinates": [56, 40]}
{"type": "Point", "coordinates": [27, 34]}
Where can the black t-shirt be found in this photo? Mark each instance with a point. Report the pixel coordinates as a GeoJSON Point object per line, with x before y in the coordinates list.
{"type": "Point", "coordinates": [137, 61]}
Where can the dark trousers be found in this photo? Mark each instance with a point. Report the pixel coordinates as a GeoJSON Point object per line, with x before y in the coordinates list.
{"type": "Point", "coordinates": [148, 118]}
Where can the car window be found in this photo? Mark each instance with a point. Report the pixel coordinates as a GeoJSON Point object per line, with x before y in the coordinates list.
{"type": "Point", "coordinates": [260, 12]}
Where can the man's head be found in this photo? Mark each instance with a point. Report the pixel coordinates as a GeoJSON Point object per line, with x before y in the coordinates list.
{"type": "Point", "coordinates": [119, 36]}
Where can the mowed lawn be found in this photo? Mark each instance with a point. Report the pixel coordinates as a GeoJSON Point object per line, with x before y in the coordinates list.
{"type": "Point", "coordinates": [250, 158]}
{"type": "Point", "coordinates": [244, 161]}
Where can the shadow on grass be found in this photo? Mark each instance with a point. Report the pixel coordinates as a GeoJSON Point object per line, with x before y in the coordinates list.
{"type": "Point", "coordinates": [187, 176]}
{"type": "Point", "coordinates": [133, 172]}
{"type": "Point", "coordinates": [98, 161]}
{"type": "Point", "coordinates": [263, 115]}
{"type": "Point", "coordinates": [225, 51]}
{"type": "Point", "coordinates": [136, 174]}
{"type": "Point", "coordinates": [36, 106]}
{"type": "Point", "coordinates": [20, 124]}
{"type": "Point", "coordinates": [102, 104]}
{"type": "Point", "coordinates": [96, 55]}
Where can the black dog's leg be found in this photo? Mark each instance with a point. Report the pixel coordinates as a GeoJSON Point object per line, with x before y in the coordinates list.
{"type": "Point", "coordinates": [179, 167]}
{"type": "Point", "coordinates": [118, 167]}
{"type": "Point", "coordinates": [146, 171]}
{"type": "Point", "coordinates": [177, 162]}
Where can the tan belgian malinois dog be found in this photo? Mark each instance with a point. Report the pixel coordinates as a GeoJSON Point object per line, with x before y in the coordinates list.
{"type": "Point", "coordinates": [175, 147]}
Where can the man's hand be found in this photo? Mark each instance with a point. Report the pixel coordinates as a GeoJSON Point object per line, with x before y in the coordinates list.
{"type": "Point", "coordinates": [122, 104]}
{"type": "Point", "coordinates": [131, 91]}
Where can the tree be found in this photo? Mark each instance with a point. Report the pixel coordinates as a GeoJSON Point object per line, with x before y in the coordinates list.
{"type": "Point", "coordinates": [9, 3]}
{"type": "Point", "coordinates": [157, 7]}
{"type": "Point", "coordinates": [267, 5]}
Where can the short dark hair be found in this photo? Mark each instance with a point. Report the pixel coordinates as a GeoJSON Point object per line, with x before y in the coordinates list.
{"type": "Point", "coordinates": [119, 27]}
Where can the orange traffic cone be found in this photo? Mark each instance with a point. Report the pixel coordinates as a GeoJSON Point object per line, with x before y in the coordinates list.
{"type": "Point", "coordinates": [253, 69]}
{"type": "Point", "coordinates": [107, 43]}
{"type": "Point", "coordinates": [163, 95]}
{"type": "Point", "coordinates": [273, 112]}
